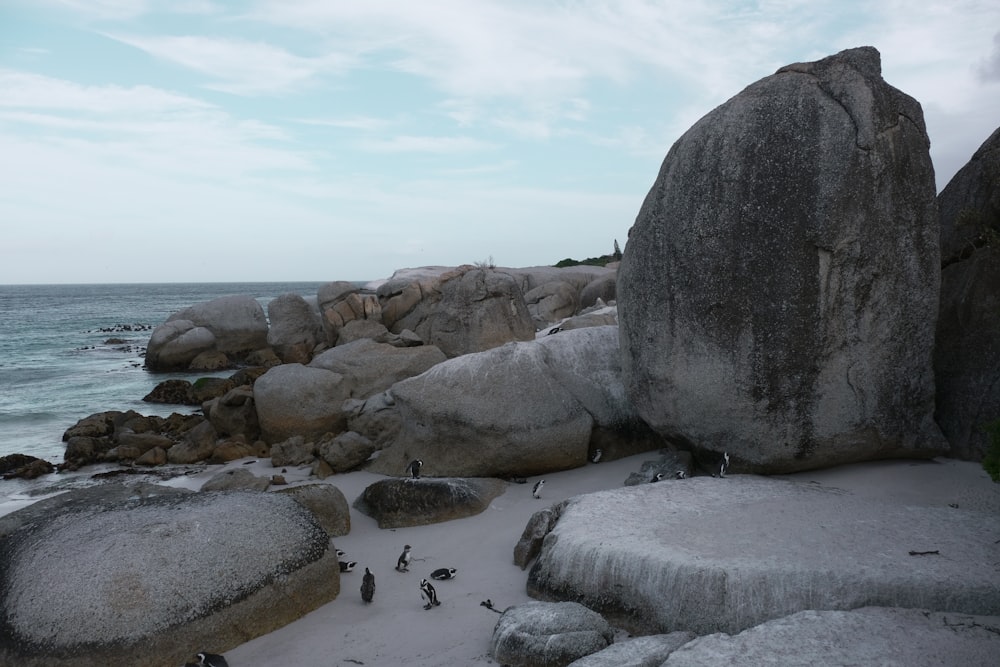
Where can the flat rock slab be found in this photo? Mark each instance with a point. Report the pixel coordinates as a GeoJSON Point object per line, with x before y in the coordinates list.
{"type": "Point", "coordinates": [404, 501]}
{"type": "Point", "coordinates": [722, 555]}
{"type": "Point", "coordinates": [548, 634]}
{"type": "Point", "coordinates": [153, 579]}
{"type": "Point", "coordinates": [869, 636]}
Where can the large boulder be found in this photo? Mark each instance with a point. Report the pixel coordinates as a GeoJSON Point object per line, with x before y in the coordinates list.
{"type": "Point", "coordinates": [547, 634]}
{"type": "Point", "coordinates": [869, 636]}
{"type": "Point", "coordinates": [295, 329]}
{"type": "Point", "coordinates": [648, 651]}
{"type": "Point", "coordinates": [967, 349]}
{"type": "Point", "coordinates": [343, 302]}
{"type": "Point", "coordinates": [778, 293]}
{"type": "Point", "coordinates": [552, 302]}
{"type": "Point", "coordinates": [402, 502]}
{"type": "Point", "coordinates": [726, 554]}
{"type": "Point", "coordinates": [462, 310]}
{"type": "Point", "coordinates": [184, 575]}
{"type": "Point", "coordinates": [293, 399]}
{"type": "Point", "coordinates": [371, 367]}
{"type": "Point", "coordinates": [234, 326]}
{"type": "Point", "coordinates": [327, 503]}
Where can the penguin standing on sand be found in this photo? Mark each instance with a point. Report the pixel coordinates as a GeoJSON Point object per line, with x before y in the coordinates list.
{"type": "Point", "coordinates": [444, 573]}
{"type": "Point", "coordinates": [597, 456]}
{"type": "Point", "coordinates": [414, 468]}
{"type": "Point", "coordinates": [536, 491]}
{"type": "Point", "coordinates": [403, 564]}
{"type": "Point", "coordinates": [723, 465]}
{"type": "Point", "coordinates": [428, 593]}
{"type": "Point", "coordinates": [368, 586]}
{"type": "Point", "coordinates": [211, 660]}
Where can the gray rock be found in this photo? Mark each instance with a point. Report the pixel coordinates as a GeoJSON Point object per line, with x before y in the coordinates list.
{"type": "Point", "coordinates": [869, 636]}
{"type": "Point", "coordinates": [238, 479]}
{"type": "Point", "coordinates": [295, 451]}
{"type": "Point", "coordinates": [237, 322]}
{"type": "Point", "coordinates": [174, 344]}
{"type": "Point", "coordinates": [376, 418]}
{"type": "Point", "coordinates": [599, 290]}
{"type": "Point", "coordinates": [234, 413]}
{"type": "Point", "coordinates": [371, 367]}
{"type": "Point", "coordinates": [548, 634]}
{"type": "Point", "coordinates": [539, 525]}
{"type": "Point", "coordinates": [345, 451]}
{"type": "Point", "coordinates": [197, 444]}
{"type": "Point", "coordinates": [967, 353]}
{"type": "Point", "coordinates": [463, 310]}
{"type": "Point", "coordinates": [327, 503]}
{"type": "Point", "coordinates": [401, 502]}
{"type": "Point", "coordinates": [293, 399]}
{"type": "Point", "coordinates": [295, 328]}
{"type": "Point", "coordinates": [648, 651]}
{"type": "Point", "coordinates": [183, 575]}
{"type": "Point", "coordinates": [727, 554]}
{"type": "Point", "coordinates": [778, 294]}
{"type": "Point", "coordinates": [342, 303]}
{"type": "Point", "coordinates": [551, 302]}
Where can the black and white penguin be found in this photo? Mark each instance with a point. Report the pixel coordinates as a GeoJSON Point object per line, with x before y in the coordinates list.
{"type": "Point", "coordinates": [597, 456]}
{"type": "Point", "coordinates": [536, 491]}
{"type": "Point", "coordinates": [428, 593]}
{"type": "Point", "coordinates": [681, 474]}
{"type": "Point", "coordinates": [348, 565]}
{"type": "Point", "coordinates": [414, 468]}
{"type": "Point", "coordinates": [444, 573]}
{"type": "Point", "coordinates": [211, 660]}
{"type": "Point", "coordinates": [368, 586]}
{"type": "Point", "coordinates": [403, 564]}
{"type": "Point", "coordinates": [553, 330]}
{"type": "Point", "coordinates": [341, 553]}
{"type": "Point", "coordinates": [723, 464]}
{"type": "Point", "coordinates": [656, 478]}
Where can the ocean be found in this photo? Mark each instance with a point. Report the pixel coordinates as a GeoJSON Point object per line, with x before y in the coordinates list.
{"type": "Point", "coordinates": [69, 351]}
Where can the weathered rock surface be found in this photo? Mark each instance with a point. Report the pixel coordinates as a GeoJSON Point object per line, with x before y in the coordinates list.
{"type": "Point", "coordinates": [400, 502]}
{"type": "Point", "coordinates": [778, 293]}
{"type": "Point", "coordinates": [461, 310]}
{"type": "Point", "coordinates": [293, 399]}
{"type": "Point", "coordinates": [869, 636]}
{"type": "Point", "coordinates": [184, 574]}
{"type": "Point", "coordinates": [728, 554]}
{"type": "Point", "coordinates": [24, 466]}
{"type": "Point", "coordinates": [648, 651]}
{"type": "Point", "coordinates": [539, 525]}
{"type": "Point", "coordinates": [548, 634]}
{"type": "Point", "coordinates": [238, 479]}
{"type": "Point", "coordinates": [343, 302]}
{"type": "Point", "coordinates": [967, 348]}
{"type": "Point", "coordinates": [234, 413]}
{"type": "Point", "coordinates": [174, 345]}
{"type": "Point", "coordinates": [551, 302]}
{"type": "Point", "coordinates": [371, 367]}
{"type": "Point", "coordinates": [345, 451]}
{"type": "Point", "coordinates": [295, 329]}
{"type": "Point", "coordinates": [521, 409]}
{"type": "Point", "coordinates": [328, 505]}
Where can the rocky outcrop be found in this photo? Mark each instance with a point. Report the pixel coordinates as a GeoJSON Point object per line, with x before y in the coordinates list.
{"type": "Point", "coordinates": [24, 466]}
{"type": "Point", "coordinates": [345, 451]}
{"type": "Point", "coordinates": [778, 292]}
{"type": "Point", "coordinates": [237, 479]}
{"type": "Point", "coordinates": [234, 414]}
{"type": "Point", "coordinates": [727, 554]}
{"type": "Point", "coordinates": [233, 326]}
{"type": "Point", "coordinates": [343, 302]}
{"type": "Point", "coordinates": [545, 634]}
{"type": "Point", "coordinates": [295, 329]}
{"type": "Point", "coordinates": [184, 574]}
{"type": "Point", "coordinates": [370, 367]}
{"type": "Point", "coordinates": [539, 525]}
{"type": "Point", "coordinates": [967, 349]}
{"type": "Point", "coordinates": [869, 636]}
{"type": "Point", "coordinates": [293, 399]}
{"type": "Point", "coordinates": [327, 503]}
{"type": "Point", "coordinates": [397, 503]}
{"type": "Point", "coordinates": [648, 651]}
{"type": "Point", "coordinates": [461, 310]}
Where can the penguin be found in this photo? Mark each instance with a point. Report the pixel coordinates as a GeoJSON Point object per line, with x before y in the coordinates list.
{"type": "Point", "coordinates": [403, 564]}
{"type": "Point", "coordinates": [681, 474]}
{"type": "Point", "coordinates": [368, 586]}
{"type": "Point", "coordinates": [656, 478]}
{"type": "Point", "coordinates": [428, 593]}
{"type": "Point", "coordinates": [348, 565]}
{"type": "Point", "coordinates": [723, 465]}
{"type": "Point", "coordinates": [553, 330]}
{"type": "Point", "coordinates": [340, 553]}
{"type": "Point", "coordinates": [597, 456]}
{"type": "Point", "coordinates": [414, 468]}
{"type": "Point", "coordinates": [444, 573]}
{"type": "Point", "coordinates": [211, 660]}
{"type": "Point", "coordinates": [537, 490]}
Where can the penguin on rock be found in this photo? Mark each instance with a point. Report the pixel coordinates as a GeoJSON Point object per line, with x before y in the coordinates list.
{"type": "Point", "coordinates": [414, 468]}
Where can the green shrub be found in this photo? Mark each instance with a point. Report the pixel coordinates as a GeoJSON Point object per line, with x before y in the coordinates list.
{"type": "Point", "coordinates": [991, 462]}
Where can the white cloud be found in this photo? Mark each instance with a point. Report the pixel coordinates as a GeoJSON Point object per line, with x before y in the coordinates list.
{"type": "Point", "coordinates": [989, 67]}
{"type": "Point", "coordinates": [425, 144]}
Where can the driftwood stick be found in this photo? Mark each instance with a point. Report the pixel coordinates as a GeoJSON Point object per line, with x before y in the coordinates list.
{"type": "Point", "coordinates": [925, 553]}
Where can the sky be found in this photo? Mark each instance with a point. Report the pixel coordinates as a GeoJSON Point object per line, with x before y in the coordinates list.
{"type": "Point", "coordinates": [317, 140]}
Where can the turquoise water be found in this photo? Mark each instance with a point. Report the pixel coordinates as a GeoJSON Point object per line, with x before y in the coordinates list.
{"type": "Point", "coordinates": [57, 366]}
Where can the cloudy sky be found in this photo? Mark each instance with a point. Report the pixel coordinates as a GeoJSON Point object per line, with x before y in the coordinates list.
{"type": "Point", "coordinates": [273, 140]}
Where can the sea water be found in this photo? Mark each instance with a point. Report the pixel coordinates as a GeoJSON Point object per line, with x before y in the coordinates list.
{"type": "Point", "coordinates": [70, 351]}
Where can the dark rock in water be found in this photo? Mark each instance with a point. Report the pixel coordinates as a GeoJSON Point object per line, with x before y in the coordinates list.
{"type": "Point", "coordinates": [778, 293]}
{"type": "Point", "coordinates": [548, 633]}
{"type": "Point", "coordinates": [401, 502]}
{"type": "Point", "coordinates": [174, 392]}
{"type": "Point", "coordinates": [23, 466]}
{"type": "Point", "coordinates": [142, 580]}
{"type": "Point", "coordinates": [967, 348]}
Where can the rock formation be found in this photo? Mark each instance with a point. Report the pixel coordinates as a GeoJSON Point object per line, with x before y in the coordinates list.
{"type": "Point", "coordinates": [401, 502]}
{"type": "Point", "coordinates": [778, 292]}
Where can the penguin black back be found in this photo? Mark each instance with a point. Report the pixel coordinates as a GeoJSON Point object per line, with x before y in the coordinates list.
{"type": "Point", "coordinates": [211, 660]}
{"type": "Point", "coordinates": [368, 586]}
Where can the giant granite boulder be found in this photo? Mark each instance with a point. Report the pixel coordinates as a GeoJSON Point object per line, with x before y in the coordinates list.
{"type": "Point", "coordinates": [967, 349]}
{"type": "Point", "coordinates": [778, 293]}
{"type": "Point", "coordinates": [461, 310]}
{"type": "Point", "coordinates": [233, 326]}
{"type": "Point", "coordinates": [546, 634]}
{"type": "Point", "coordinates": [148, 580]}
{"type": "Point", "coordinates": [371, 367]}
{"type": "Point", "coordinates": [723, 555]}
{"type": "Point", "coordinates": [295, 328]}
{"type": "Point", "coordinates": [293, 399]}
{"type": "Point", "coordinates": [343, 302]}
{"type": "Point", "coordinates": [520, 409]}
{"type": "Point", "coordinates": [399, 502]}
